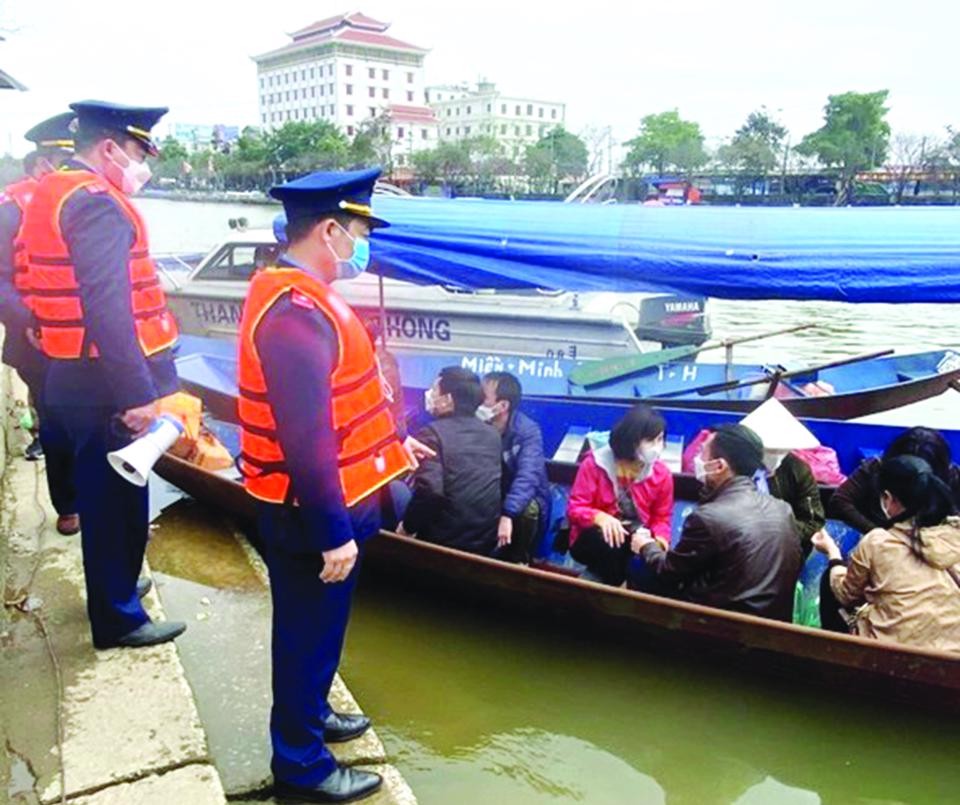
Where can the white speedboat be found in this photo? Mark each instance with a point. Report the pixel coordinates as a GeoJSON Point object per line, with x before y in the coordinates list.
{"type": "Point", "coordinates": [435, 319]}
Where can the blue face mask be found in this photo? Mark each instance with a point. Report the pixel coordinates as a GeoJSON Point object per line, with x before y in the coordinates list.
{"type": "Point", "coordinates": [359, 261]}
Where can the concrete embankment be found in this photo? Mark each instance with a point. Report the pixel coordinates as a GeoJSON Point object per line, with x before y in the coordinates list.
{"type": "Point", "coordinates": [185, 722]}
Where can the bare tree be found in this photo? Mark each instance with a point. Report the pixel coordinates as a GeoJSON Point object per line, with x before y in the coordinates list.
{"type": "Point", "coordinates": [907, 158]}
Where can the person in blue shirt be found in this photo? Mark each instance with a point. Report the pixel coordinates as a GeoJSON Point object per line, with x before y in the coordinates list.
{"type": "Point", "coordinates": [53, 142]}
{"type": "Point", "coordinates": [108, 339]}
{"type": "Point", "coordinates": [318, 447]}
{"type": "Point", "coordinates": [525, 489]}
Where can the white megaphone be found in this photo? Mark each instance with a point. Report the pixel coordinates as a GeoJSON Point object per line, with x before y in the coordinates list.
{"type": "Point", "coordinates": [135, 461]}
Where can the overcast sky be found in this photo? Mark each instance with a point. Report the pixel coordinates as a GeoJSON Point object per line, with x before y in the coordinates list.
{"type": "Point", "coordinates": [611, 62]}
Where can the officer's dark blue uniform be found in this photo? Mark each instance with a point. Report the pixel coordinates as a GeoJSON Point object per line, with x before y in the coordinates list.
{"type": "Point", "coordinates": [298, 350]}
{"type": "Point", "coordinates": [53, 139]}
{"type": "Point", "coordinates": [88, 395]}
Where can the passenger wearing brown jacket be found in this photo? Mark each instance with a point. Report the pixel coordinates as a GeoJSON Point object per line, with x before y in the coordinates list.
{"type": "Point", "coordinates": [904, 578]}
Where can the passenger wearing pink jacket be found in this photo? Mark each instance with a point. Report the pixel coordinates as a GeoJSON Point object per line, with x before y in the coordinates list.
{"type": "Point", "coordinates": [621, 491]}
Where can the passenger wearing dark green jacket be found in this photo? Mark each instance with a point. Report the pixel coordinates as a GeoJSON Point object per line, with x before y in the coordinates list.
{"type": "Point", "coordinates": [786, 476]}
{"type": "Point", "coordinates": [793, 483]}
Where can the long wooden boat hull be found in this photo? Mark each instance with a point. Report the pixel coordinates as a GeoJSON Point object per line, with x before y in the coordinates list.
{"type": "Point", "coordinates": [864, 388]}
{"type": "Point", "coordinates": [887, 670]}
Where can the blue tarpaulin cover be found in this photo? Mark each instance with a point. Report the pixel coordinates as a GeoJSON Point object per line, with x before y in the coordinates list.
{"type": "Point", "coordinates": [850, 254]}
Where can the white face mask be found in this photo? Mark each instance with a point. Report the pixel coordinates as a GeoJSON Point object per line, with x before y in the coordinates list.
{"type": "Point", "coordinates": [428, 401]}
{"type": "Point", "coordinates": [772, 459]}
{"type": "Point", "coordinates": [700, 470]}
{"type": "Point", "coordinates": [649, 453]}
{"type": "Point", "coordinates": [486, 413]}
{"type": "Point", "coordinates": [126, 174]}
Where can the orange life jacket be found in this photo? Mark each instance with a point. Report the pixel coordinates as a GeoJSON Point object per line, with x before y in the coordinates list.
{"type": "Point", "coordinates": [51, 281]}
{"type": "Point", "coordinates": [20, 194]}
{"type": "Point", "coordinates": [369, 454]}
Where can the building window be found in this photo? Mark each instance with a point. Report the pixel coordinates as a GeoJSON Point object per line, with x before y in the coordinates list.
{"type": "Point", "coordinates": [448, 131]}
{"type": "Point", "coordinates": [466, 129]}
{"type": "Point", "coordinates": [373, 92]}
{"type": "Point", "coordinates": [321, 90]}
{"type": "Point", "coordinates": [386, 75]}
{"type": "Point", "coordinates": [468, 110]}
{"type": "Point", "coordinates": [349, 89]}
{"type": "Point", "coordinates": [313, 92]}
{"type": "Point", "coordinates": [541, 112]}
{"type": "Point", "coordinates": [349, 111]}
{"type": "Point", "coordinates": [331, 89]}
{"type": "Point", "coordinates": [424, 134]}
{"type": "Point", "coordinates": [350, 128]}
{"type": "Point", "coordinates": [503, 108]}
{"type": "Point", "coordinates": [503, 129]}
{"type": "Point", "coordinates": [349, 69]}
{"type": "Point", "coordinates": [263, 117]}
{"type": "Point", "coordinates": [409, 97]}
{"type": "Point", "coordinates": [372, 72]}
{"type": "Point", "coordinates": [295, 93]}
{"type": "Point", "coordinates": [373, 111]}
{"type": "Point", "coordinates": [518, 110]}
{"type": "Point", "coordinates": [553, 114]}
{"type": "Point", "coordinates": [263, 100]}
{"type": "Point", "coordinates": [313, 72]}
{"type": "Point", "coordinates": [333, 110]}
{"type": "Point", "coordinates": [386, 93]}
{"type": "Point", "coordinates": [449, 112]}
{"type": "Point", "coordinates": [529, 130]}
{"type": "Point", "coordinates": [489, 107]}
{"type": "Point", "coordinates": [458, 131]}
{"type": "Point", "coordinates": [458, 111]}
{"type": "Point", "coordinates": [409, 78]}
{"type": "Point", "coordinates": [516, 131]}
{"type": "Point", "coordinates": [529, 110]}
{"type": "Point", "coordinates": [287, 93]}
{"type": "Point", "coordinates": [399, 132]}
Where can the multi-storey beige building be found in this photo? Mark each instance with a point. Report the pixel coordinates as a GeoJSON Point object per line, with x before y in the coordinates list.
{"type": "Point", "coordinates": [464, 112]}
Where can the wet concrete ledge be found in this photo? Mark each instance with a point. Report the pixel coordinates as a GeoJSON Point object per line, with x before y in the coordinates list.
{"type": "Point", "coordinates": [131, 731]}
{"type": "Point", "coordinates": [134, 727]}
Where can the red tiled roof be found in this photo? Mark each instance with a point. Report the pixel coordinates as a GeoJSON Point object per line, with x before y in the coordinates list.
{"type": "Point", "coordinates": [412, 114]}
{"type": "Point", "coordinates": [345, 35]}
{"type": "Point", "coordinates": [356, 19]}
{"type": "Point", "coordinates": [369, 38]}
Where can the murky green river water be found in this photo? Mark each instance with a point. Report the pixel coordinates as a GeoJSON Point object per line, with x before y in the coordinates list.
{"type": "Point", "coordinates": [480, 706]}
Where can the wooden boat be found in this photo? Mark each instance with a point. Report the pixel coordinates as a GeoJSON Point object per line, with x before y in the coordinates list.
{"type": "Point", "coordinates": [862, 386]}
{"type": "Point", "coordinates": [890, 671]}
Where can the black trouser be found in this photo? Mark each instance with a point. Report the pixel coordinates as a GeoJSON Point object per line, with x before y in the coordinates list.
{"type": "Point", "coordinates": [115, 522]}
{"type": "Point", "coordinates": [57, 449]}
{"type": "Point", "coordinates": [831, 617]}
{"type": "Point", "coordinates": [606, 563]}
{"type": "Point", "coordinates": [526, 531]}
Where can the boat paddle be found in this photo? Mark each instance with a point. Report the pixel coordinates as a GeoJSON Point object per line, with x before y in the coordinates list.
{"type": "Point", "coordinates": [594, 373]}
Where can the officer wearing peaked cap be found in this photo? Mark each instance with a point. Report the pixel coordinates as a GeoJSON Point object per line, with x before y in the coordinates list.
{"type": "Point", "coordinates": [104, 327]}
{"type": "Point", "coordinates": [318, 445]}
{"type": "Point", "coordinates": [53, 143]}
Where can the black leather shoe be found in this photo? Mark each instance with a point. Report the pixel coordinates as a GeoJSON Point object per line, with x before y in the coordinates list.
{"type": "Point", "coordinates": [340, 727]}
{"type": "Point", "coordinates": [34, 450]}
{"type": "Point", "coordinates": [152, 634]}
{"type": "Point", "coordinates": [346, 784]}
{"type": "Point", "coordinates": [143, 586]}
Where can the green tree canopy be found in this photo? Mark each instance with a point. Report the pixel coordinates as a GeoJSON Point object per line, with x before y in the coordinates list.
{"type": "Point", "coordinates": [855, 136]}
{"type": "Point", "coordinates": [666, 142]}
{"type": "Point", "coordinates": [756, 147]}
{"type": "Point", "coordinates": [559, 155]}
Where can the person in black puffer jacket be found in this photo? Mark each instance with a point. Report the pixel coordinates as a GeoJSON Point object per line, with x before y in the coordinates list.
{"type": "Point", "coordinates": [456, 496]}
{"type": "Point", "coordinates": [857, 500]}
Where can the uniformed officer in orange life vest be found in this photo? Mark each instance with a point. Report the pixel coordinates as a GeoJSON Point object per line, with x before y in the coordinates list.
{"type": "Point", "coordinates": [53, 141]}
{"type": "Point", "coordinates": [319, 443]}
{"type": "Point", "coordinates": [105, 329]}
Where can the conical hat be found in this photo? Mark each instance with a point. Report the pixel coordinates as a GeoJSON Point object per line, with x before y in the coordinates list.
{"type": "Point", "coordinates": [778, 429]}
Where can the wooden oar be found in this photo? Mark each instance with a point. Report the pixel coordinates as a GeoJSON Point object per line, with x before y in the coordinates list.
{"type": "Point", "coordinates": [775, 378]}
{"type": "Point", "coordinates": [594, 373]}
